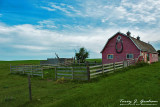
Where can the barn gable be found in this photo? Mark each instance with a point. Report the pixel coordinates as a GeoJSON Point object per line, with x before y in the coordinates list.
{"type": "Point", "coordinates": [142, 46]}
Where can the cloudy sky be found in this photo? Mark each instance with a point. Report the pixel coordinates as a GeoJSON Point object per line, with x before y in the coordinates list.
{"type": "Point", "coordinates": [36, 29]}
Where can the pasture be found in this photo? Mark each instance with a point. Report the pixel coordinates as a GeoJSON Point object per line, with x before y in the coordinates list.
{"type": "Point", "coordinates": [107, 90]}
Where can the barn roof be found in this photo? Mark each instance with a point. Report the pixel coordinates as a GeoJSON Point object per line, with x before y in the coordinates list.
{"type": "Point", "coordinates": [142, 46]}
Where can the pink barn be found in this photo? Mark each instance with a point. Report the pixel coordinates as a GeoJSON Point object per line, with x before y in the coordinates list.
{"type": "Point", "coordinates": [122, 47]}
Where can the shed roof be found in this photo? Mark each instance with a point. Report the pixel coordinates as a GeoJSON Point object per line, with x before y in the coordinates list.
{"type": "Point", "coordinates": [142, 46]}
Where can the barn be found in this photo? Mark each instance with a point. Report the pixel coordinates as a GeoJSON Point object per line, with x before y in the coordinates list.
{"type": "Point", "coordinates": [122, 47]}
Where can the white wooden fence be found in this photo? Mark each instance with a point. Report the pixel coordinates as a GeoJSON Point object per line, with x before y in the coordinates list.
{"type": "Point", "coordinates": [103, 68]}
{"type": "Point", "coordinates": [79, 73]}
{"type": "Point", "coordinates": [75, 73]}
{"type": "Point", "coordinates": [27, 69]}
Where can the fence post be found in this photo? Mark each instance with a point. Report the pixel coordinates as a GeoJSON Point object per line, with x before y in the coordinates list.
{"type": "Point", "coordinates": [55, 74]}
{"type": "Point", "coordinates": [72, 73]}
{"type": "Point", "coordinates": [123, 64]}
{"type": "Point", "coordinates": [79, 62]}
{"type": "Point", "coordinates": [74, 60]}
{"type": "Point", "coordinates": [10, 68]}
{"type": "Point", "coordinates": [32, 70]}
{"type": "Point", "coordinates": [16, 68]}
{"type": "Point", "coordinates": [135, 61]}
{"type": "Point", "coordinates": [128, 62]}
{"type": "Point", "coordinates": [88, 72]}
{"type": "Point", "coordinates": [52, 74]}
{"type": "Point", "coordinates": [95, 62]}
{"type": "Point", "coordinates": [102, 68]}
{"type": "Point", "coordinates": [42, 73]}
{"type": "Point", "coordinates": [23, 69]}
{"type": "Point", "coordinates": [114, 66]}
{"type": "Point", "coordinates": [29, 86]}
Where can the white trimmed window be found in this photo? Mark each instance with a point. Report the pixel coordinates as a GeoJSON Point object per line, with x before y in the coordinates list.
{"type": "Point", "coordinates": [129, 56]}
{"type": "Point", "coordinates": [110, 56]}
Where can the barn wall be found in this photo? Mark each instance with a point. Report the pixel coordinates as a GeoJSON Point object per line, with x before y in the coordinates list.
{"type": "Point", "coordinates": [144, 54]}
{"type": "Point", "coordinates": [153, 58]}
{"type": "Point", "coordinates": [128, 48]}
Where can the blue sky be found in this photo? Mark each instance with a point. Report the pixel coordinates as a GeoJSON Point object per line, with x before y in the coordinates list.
{"type": "Point", "coordinates": [36, 29]}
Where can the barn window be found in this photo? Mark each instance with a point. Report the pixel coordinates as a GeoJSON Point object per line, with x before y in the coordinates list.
{"type": "Point", "coordinates": [110, 56]}
{"type": "Point", "coordinates": [129, 56]}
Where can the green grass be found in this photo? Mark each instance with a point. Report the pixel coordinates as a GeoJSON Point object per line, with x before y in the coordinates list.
{"type": "Point", "coordinates": [98, 60]}
{"type": "Point", "coordinates": [105, 91]}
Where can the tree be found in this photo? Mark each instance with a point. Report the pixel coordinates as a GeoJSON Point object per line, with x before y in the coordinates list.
{"type": "Point", "coordinates": [158, 52]}
{"type": "Point", "coordinates": [82, 55]}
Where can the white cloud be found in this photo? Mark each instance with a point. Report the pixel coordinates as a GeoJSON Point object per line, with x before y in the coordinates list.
{"type": "Point", "coordinates": [4, 40]}
{"type": "Point", "coordinates": [48, 8]}
{"type": "Point", "coordinates": [47, 23]}
{"type": "Point", "coordinates": [42, 41]}
{"type": "Point", "coordinates": [59, 8]}
{"type": "Point", "coordinates": [143, 10]}
{"type": "Point", "coordinates": [36, 40]}
{"type": "Point", "coordinates": [67, 9]}
{"type": "Point", "coordinates": [32, 48]}
{"type": "Point", "coordinates": [131, 11]}
{"type": "Point", "coordinates": [127, 11]}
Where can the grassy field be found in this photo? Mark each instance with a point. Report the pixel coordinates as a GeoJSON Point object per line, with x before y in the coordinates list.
{"type": "Point", "coordinates": [141, 83]}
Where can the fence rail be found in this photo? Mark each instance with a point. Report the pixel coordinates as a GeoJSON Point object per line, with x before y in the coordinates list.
{"type": "Point", "coordinates": [85, 72]}
{"type": "Point", "coordinates": [103, 68]}
{"type": "Point", "coordinates": [78, 73]}
{"type": "Point", "coordinates": [27, 69]}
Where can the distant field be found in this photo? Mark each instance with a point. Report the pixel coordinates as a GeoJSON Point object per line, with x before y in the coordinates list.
{"type": "Point", "coordinates": [106, 91]}
{"type": "Point", "coordinates": [98, 60]}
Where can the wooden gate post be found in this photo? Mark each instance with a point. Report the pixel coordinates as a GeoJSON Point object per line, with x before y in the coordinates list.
{"type": "Point", "coordinates": [134, 61]}
{"type": "Point", "coordinates": [95, 62]}
{"type": "Point", "coordinates": [114, 66]}
{"type": "Point", "coordinates": [74, 60]}
{"type": "Point", "coordinates": [29, 86]}
{"type": "Point", "coordinates": [123, 64]}
{"type": "Point", "coordinates": [32, 70]}
{"type": "Point", "coordinates": [88, 72]}
{"type": "Point", "coordinates": [23, 68]}
{"type": "Point", "coordinates": [55, 74]}
{"type": "Point", "coordinates": [42, 73]}
{"type": "Point", "coordinates": [102, 68]}
{"type": "Point", "coordinates": [72, 73]}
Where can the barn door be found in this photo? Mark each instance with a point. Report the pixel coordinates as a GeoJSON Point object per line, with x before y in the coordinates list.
{"type": "Point", "coordinates": [148, 57]}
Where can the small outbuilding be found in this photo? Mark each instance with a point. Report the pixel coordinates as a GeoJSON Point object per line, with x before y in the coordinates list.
{"type": "Point", "coordinates": [122, 47]}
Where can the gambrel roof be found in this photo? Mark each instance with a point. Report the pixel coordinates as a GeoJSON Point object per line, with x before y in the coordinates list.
{"type": "Point", "coordinates": [142, 46]}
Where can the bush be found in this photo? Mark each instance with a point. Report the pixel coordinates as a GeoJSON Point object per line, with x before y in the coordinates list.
{"type": "Point", "coordinates": [61, 80]}
{"type": "Point", "coordinates": [141, 64]}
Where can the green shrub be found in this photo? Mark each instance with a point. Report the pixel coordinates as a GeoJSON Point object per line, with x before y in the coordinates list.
{"type": "Point", "coordinates": [61, 80]}
{"type": "Point", "coordinates": [141, 64]}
